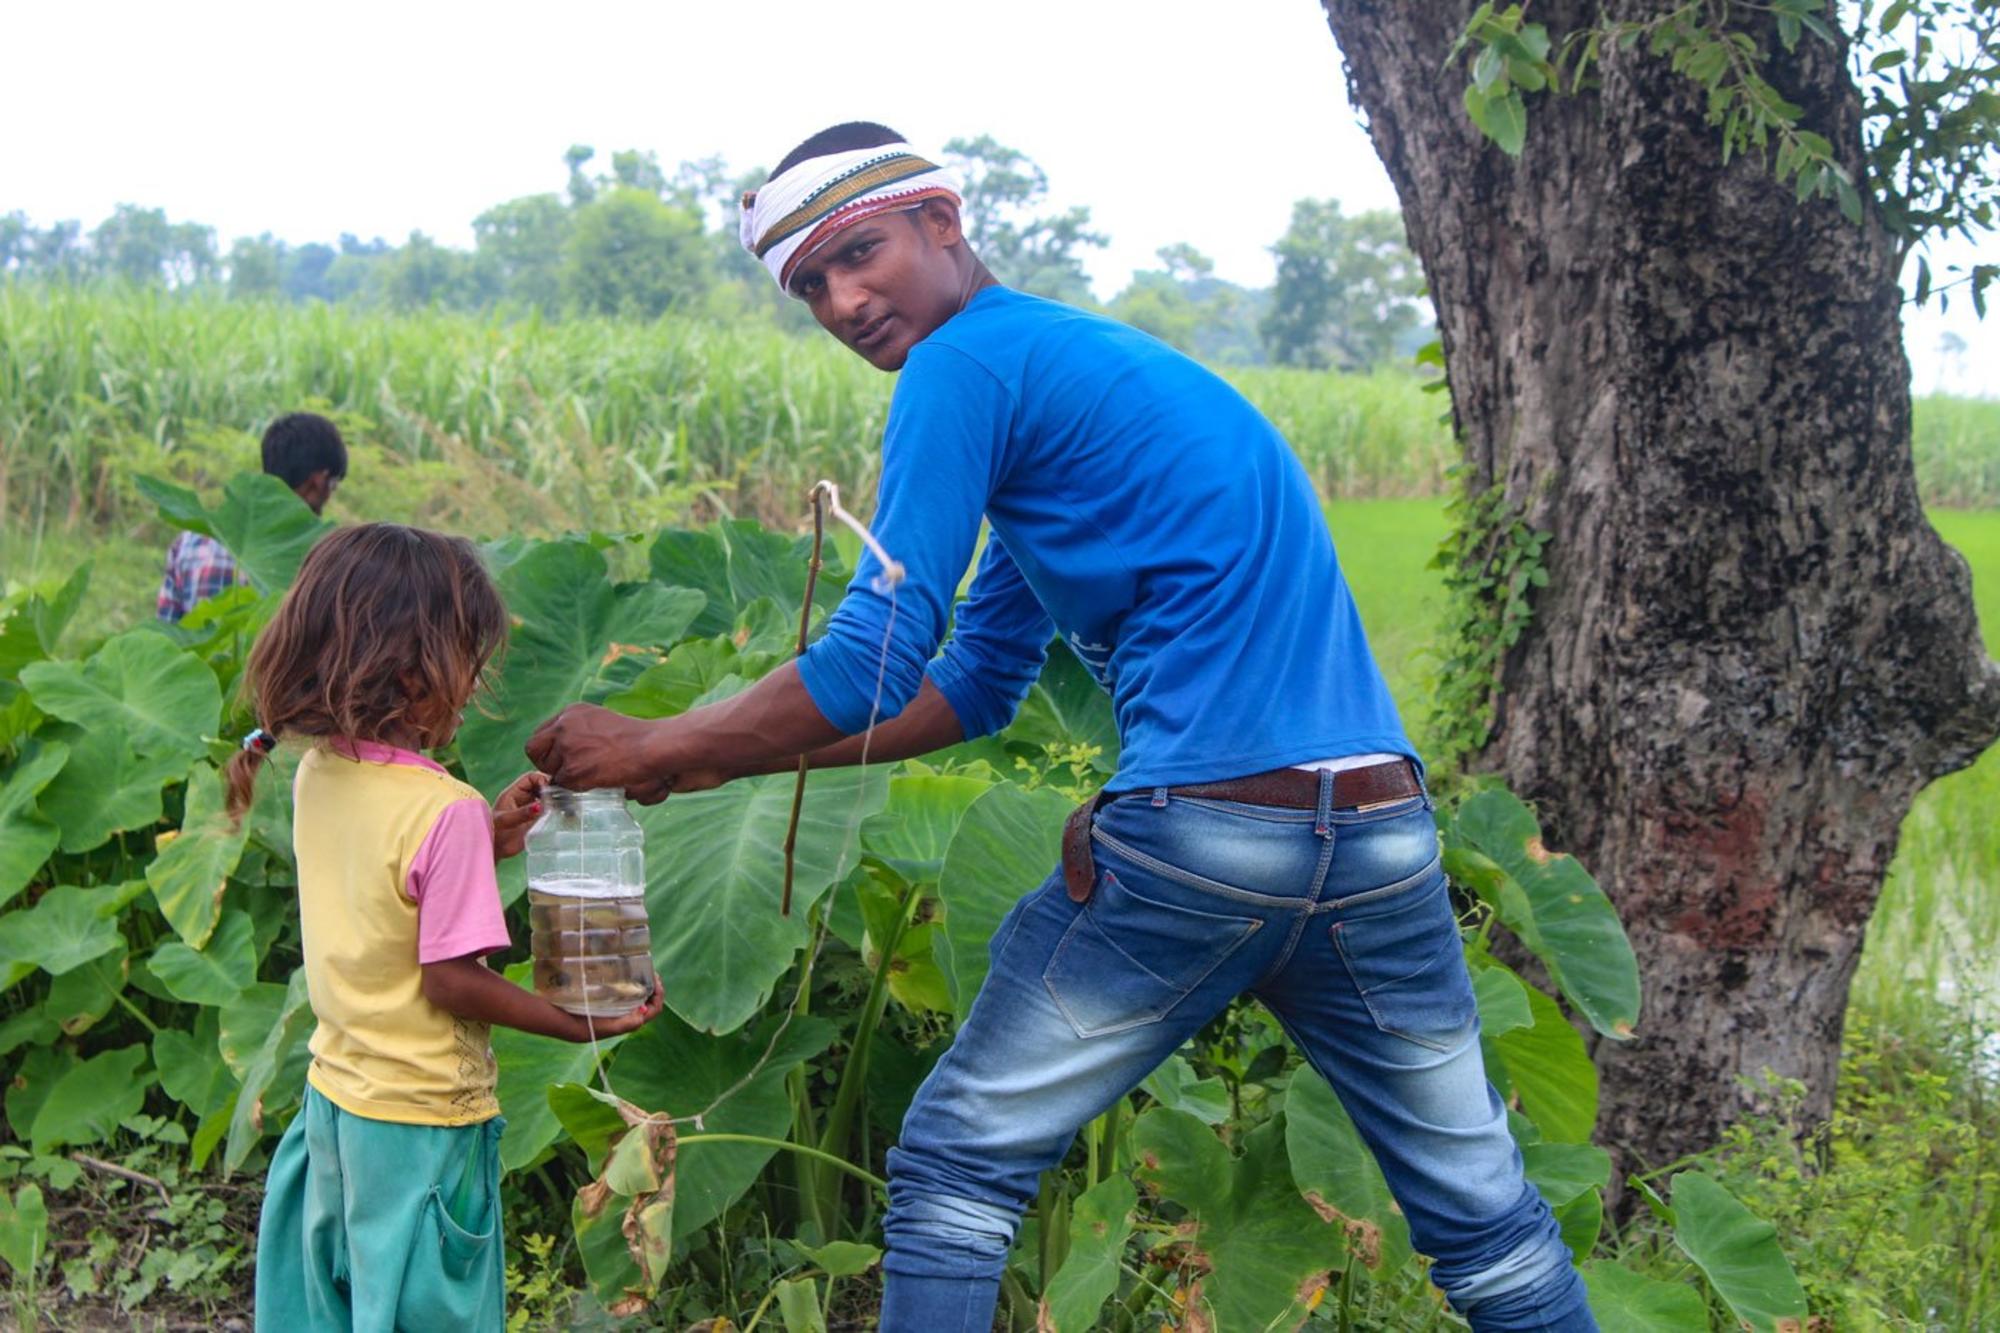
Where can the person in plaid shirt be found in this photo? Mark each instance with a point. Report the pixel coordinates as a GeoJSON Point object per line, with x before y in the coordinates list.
{"type": "Point", "coordinates": [303, 449]}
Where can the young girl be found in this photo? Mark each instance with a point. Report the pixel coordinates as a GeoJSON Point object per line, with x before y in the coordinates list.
{"type": "Point", "coordinates": [381, 1207]}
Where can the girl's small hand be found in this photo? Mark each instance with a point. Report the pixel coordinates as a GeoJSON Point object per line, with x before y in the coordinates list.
{"type": "Point", "coordinates": [518, 807]}
{"type": "Point", "coordinates": [647, 1011]}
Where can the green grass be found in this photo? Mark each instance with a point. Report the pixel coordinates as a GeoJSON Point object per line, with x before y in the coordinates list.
{"type": "Point", "coordinates": [1957, 446]}
{"type": "Point", "coordinates": [1936, 930]}
{"type": "Point", "coordinates": [1384, 547]}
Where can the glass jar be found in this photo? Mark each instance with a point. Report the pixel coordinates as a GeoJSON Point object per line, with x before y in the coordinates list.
{"type": "Point", "coordinates": [593, 950]}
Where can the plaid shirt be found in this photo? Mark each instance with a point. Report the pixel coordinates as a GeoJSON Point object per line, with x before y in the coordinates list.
{"type": "Point", "coordinates": [198, 568]}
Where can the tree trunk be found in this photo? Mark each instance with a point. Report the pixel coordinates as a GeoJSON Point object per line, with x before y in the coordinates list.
{"type": "Point", "coordinates": [1753, 650]}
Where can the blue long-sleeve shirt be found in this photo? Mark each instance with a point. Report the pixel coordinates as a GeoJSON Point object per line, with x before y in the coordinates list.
{"type": "Point", "coordinates": [1140, 506]}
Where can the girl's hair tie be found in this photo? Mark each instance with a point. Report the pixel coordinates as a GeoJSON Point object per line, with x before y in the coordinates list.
{"type": "Point", "coordinates": [260, 740]}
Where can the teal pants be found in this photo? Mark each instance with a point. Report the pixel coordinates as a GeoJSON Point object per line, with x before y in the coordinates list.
{"type": "Point", "coordinates": [377, 1227]}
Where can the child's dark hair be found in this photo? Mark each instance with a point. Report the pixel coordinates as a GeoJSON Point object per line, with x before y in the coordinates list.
{"type": "Point", "coordinates": [387, 630]}
{"type": "Point", "coordinates": [299, 444]}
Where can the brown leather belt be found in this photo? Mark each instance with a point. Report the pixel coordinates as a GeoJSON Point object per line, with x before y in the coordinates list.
{"type": "Point", "coordinates": [1289, 788]}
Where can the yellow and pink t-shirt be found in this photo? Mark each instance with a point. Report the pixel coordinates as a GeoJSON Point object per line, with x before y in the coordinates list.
{"type": "Point", "coordinates": [395, 860]}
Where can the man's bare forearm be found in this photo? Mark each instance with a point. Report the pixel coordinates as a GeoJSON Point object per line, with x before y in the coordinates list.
{"type": "Point", "coordinates": [767, 727]}
{"type": "Point", "coordinates": [928, 723]}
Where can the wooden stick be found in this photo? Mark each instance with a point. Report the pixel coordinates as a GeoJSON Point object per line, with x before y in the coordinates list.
{"type": "Point", "coordinates": [805, 623]}
{"type": "Point", "coordinates": [123, 1173]}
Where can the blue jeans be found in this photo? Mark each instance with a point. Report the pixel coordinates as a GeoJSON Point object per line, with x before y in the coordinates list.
{"type": "Point", "coordinates": [1340, 922]}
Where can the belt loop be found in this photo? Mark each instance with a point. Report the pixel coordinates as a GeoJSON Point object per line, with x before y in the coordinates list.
{"type": "Point", "coordinates": [1323, 820]}
{"type": "Point", "coordinates": [1417, 767]}
{"type": "Point", "coordinates": [1159, 798]}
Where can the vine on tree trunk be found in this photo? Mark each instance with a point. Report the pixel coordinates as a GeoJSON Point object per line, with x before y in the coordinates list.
{"type": "Point", "coordinates": [1492, 562]}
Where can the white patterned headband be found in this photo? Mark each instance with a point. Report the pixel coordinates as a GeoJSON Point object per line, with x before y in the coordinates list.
{"type": "Point", "coordinates": [797, 212]}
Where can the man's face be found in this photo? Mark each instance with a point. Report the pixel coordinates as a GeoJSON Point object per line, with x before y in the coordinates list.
{"type": "Point", "coordinates": [884, 284]}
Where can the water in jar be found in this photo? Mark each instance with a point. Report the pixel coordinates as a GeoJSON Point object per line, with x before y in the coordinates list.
{"type": "Point", "coordinates": [586, 904]}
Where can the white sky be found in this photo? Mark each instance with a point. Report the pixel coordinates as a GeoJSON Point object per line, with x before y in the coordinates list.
{"type": "Point", "coordinates": [1173, 120]}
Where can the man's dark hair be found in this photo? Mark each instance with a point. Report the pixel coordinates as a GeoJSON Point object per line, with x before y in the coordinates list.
{"type": "Point", "coordinates": [842, 138]}
{"type": "Point", "coordinates": [299, 444]}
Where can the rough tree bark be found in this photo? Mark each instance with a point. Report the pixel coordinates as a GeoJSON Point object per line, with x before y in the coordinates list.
{"type": "Point", "coordinates": [1753, 650]}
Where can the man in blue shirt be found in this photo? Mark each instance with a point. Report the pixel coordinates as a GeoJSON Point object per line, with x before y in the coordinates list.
{"type": "Point", "coordinates": [1266, 832]}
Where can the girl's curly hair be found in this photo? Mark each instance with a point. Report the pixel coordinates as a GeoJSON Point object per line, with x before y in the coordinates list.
{"type": "Point", "coordinates": [387, 631]}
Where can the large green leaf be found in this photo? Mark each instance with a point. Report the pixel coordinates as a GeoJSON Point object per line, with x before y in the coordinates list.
{"type": "Point", "coordinates": [39, 1071]}
{"type": "Point", "coordinates": [32, 623]}
{"type": "Point", "coordinates": [571, 624]}
{"type": "Point", "coordinates": [798, 1306]}
{"type": "Point", "coordinates": [1565, 1171]}
{"type": "Point", "coordinates": [1626, 1302]}
{"type": "Point", "coordinates": [529, 1067]}
{"type": "Point", "coordinates": [1066, 706]}
{"type": "Point", "coordinates": [66, 928]}
{"type": "Point", "coordinates": [737, 561]}
{"type": "Point", "coordinates": [104, 789]}
{"type": "Point", "coordinates": [24, 1234]}
{"type": "Point", "coordinates": [914, 830]}
{"type": "Point", "coordinates": [1581, 1222]}
{"type": "Point", "coordinates": [695, 670]}
{"type": "Point", "coordinates": [1339, 1176]}
{"type": "Point", "coordinates": [191, 1065]}
{"type": "Point", "coordinates": [1006, 844]}
{"type": "Point", "coordinates": [1174, 1085]}
{"type": "Point", "coordinates": [26, 837]}
{"type": "Point", "coordinates": [1547, 1067]}
{"type": "Point", "coordinates": [163, 701]}
{"type": "Point", "coordinates": [88, 1101]}
{"type": "Point", "coordinates": [915, 981]}
{"type": "Point", "coordinates": [1739, 1254]}
{"type": "Point", "coordinates": [1552, 903]}
{"type": "Point", "coordinates": [82, 996]}
{"type": "Point", "coordinates": [214, 974]}
{"type": "Point", "coordinates": [261, 520]}
{"type": "Point", "coordinates": [1266, 1252]}
{"type": "Point", "coordinates": [192, 869]}
{"type": "Point", "coordinates": [1502, 998]}
{"type": "Point", "coordinates": [262, 1060]}
{"type": "Point", "coordinates": [28, 1027]}
{"type": "Point", "coordinates": [715, 875]}
{"type": "Point", "coordinates": [1100, 1225]}
{"type": "Point", "coordinates": [667, 1066]}
{"type": "Point", "coordinates": [698, 560]}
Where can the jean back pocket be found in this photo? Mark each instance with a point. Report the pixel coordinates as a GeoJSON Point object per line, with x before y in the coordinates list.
{"type": "Point", "coordinates": [1406, 959]}
{"type": "Point", "coordinates": [1127, 959]}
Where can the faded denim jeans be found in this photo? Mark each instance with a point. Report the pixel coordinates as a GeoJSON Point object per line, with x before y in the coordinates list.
{"type": "Point", "coordinates": [1341, 923]}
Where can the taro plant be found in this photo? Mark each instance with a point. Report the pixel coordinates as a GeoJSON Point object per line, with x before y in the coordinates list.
{"type": "Point", "coordinates": [725, 1161]}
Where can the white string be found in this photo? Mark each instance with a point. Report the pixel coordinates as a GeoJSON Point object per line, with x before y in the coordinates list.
{"type": "Point", "coordinates": [892, 575]}
{"type": "Point", "coordinates": [892, 570]}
